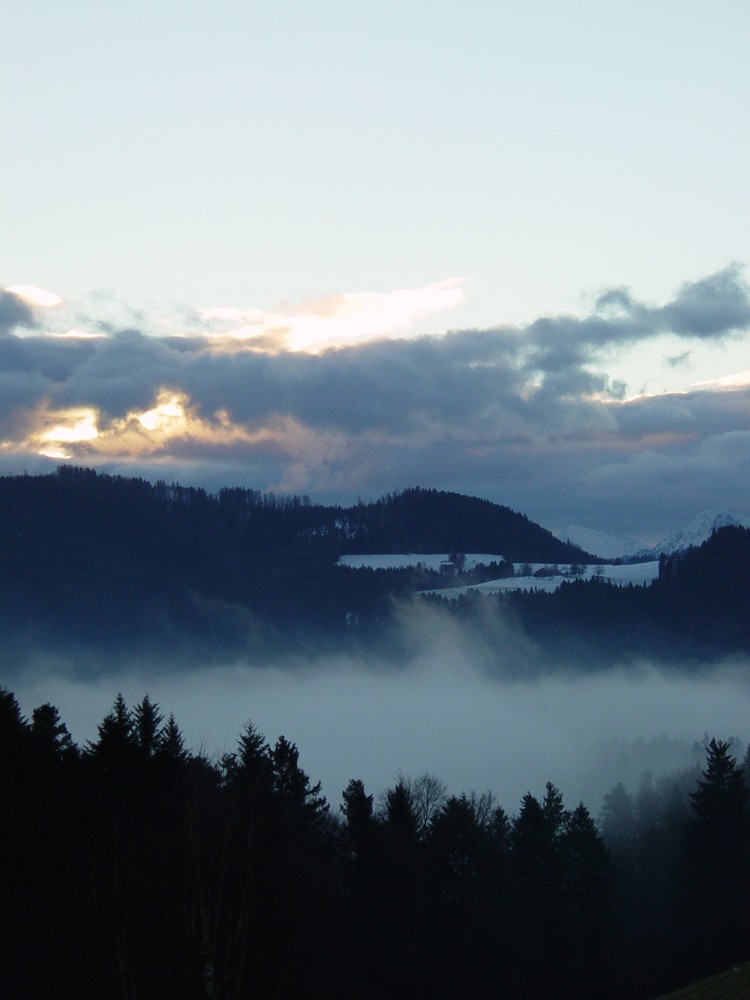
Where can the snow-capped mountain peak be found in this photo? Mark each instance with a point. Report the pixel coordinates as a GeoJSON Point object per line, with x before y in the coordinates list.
{"type": "Point", "coordinates": [697, 531]}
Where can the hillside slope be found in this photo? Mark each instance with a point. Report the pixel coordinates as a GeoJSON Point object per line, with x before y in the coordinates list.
{"type": "Point", "coordinates": [425, 520]}
{"type": "Point", "coordinates": [733, 984]}
{"type": "Point", "coordinates": [92, 558]}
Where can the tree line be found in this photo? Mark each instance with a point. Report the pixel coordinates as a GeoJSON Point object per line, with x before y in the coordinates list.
{"type": "Point", "coordinates": [135, 867]}
{"type": "Point", "coordinates": [698, 609]}
{"type": "Point", "coordinates": [87, 558]}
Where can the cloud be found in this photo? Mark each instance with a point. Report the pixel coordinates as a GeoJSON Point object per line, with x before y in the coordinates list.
{"type": "Point", "coordinates": [525, 415]}
{"type": "Point", "coordinates": [709, 309]}
{"type": "Point", "coordinates": [713, 307]}
{"type": "Point", "coordinates": [678, 360]}
{"type": "Point", "coordinates": [14, 312]}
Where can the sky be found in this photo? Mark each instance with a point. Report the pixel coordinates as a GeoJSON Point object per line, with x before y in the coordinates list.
{"type": "Point", "coordinates": [339, 249]}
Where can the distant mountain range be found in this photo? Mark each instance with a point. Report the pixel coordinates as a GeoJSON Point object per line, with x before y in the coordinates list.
{"type": "Point", "coordinates": [614, 546]}
{"type": "Point", "coordinates": [695, 533]}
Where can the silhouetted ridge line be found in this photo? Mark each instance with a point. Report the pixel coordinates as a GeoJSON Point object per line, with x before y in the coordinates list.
{"type": "Point", "coordinates": [430, 520]}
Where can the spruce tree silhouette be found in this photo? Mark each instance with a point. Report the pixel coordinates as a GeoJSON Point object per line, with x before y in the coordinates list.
{"type": "Point", "coordinates": [716, 863]}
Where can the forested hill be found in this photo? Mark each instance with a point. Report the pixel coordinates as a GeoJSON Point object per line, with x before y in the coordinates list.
{"type": "Point", "coordinates": [80, 507]}
{"type": "Point", "coordinates": [102, 563]}
{"type": "Point", "coordinates": [697, 610]}
{"type": "Point", "coordinates": [420, 520]}
{"type": "Point", "coordinates": [90, 558]}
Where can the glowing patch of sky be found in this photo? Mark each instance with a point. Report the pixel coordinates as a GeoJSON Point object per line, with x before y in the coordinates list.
{"type": "Point", "coordinates": [168, 412]}
{"type": "Point", "coordinates": [36, 296]}
{"type": "Point", "coordinates": [343, 319]}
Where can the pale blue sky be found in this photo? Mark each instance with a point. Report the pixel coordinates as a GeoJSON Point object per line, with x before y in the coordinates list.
{"type": "Point", "coordinates": [251, 154]}
{"type": "Point", "coordinates": [180, 157]}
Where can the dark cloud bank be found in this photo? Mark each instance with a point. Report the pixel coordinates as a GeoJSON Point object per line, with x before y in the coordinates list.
{"type": "Point", "coordinates": [522, 415]}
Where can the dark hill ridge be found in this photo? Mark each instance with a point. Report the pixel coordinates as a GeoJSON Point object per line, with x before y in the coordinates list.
{"type": "Point", "coordinates": [697, 610]}
{"type": "Point", "coordinates": [112, 561]}
{"type": "Point", "coordinates": [427, 520]}
{"type": "Point", "coordinates": [125, 567]}
{"type": "Point", "coordinates": [129, 512]}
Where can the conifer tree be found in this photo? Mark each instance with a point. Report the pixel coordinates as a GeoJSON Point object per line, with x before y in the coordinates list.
{"type": "Point", "coordinates": [618, 823]}
{"type": "Point", "coordinates": [399, 813]}
{"type": "Point", "coordinates": [302, 802]}
{"type": "Point", "coordinates": [720, 802]}
{"type": "Point", "coordinates": [717, 863]}
{"type": "Point", "coordinates": [147, 721]}
{"type": "Point", "coordinates": [49, 734]}
{"type": "Point", "coordinates": [587, 908]}
{"type": "Point", "coordinates": [171, 742]}
{"type": "Point", "coordinates": [114, 750]}
{"type": "Point", "coordinates": [361, 826]}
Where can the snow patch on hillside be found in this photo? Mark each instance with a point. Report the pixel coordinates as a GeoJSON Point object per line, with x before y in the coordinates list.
{"type": "Point", "coordinates": [635, 573]}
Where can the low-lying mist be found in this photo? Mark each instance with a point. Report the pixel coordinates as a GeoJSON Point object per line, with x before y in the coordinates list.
{"type": "Point", "coordinates": [448, 712]}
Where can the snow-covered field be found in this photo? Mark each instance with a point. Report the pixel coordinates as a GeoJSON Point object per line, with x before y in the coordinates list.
{"type": "Point", "coordinates": [430, 560]}
{"type": "Point", "coordinates": [638, 573]}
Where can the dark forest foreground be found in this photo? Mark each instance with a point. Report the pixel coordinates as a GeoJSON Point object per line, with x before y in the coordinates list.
{"type": "Point", "coordinates": [133, 868]}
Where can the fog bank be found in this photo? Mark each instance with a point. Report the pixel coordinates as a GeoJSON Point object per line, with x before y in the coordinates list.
{"type": "Point", "coordinates": [443, 714]}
